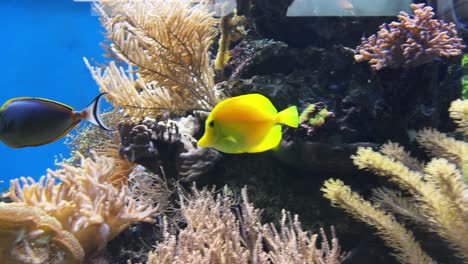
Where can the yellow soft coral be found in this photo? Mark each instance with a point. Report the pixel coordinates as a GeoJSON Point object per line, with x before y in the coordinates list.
{"type": "Point", "coordinates": [29, 235]}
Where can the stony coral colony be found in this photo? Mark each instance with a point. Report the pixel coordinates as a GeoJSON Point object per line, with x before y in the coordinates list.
{"type": "Point", "coordinates": [112, 181]}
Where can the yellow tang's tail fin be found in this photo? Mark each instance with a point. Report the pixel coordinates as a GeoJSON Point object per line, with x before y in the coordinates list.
{"type": "Point", "coordinates": [289, 117]}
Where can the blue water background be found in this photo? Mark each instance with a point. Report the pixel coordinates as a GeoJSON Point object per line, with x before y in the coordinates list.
{"type": "Point", "coordinates": [42, 46]}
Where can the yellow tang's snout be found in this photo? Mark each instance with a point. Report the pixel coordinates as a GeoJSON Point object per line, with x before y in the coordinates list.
{"type": "Point", "coordinates": [207, 139]}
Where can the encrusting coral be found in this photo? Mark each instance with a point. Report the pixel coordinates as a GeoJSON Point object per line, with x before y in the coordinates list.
{"type": "Point", "coordinates": [412, 41]}
{"type": "Point", "coordinates": [168, 42]}
{"type": "Point", "coordinates": [220, 230]}
{"type": "Point", "coordinates": [438, 193]}
{"type": "Point", "coordinates": [83, 204]}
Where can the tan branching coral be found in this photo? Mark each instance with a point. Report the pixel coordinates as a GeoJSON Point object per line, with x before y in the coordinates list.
{"type": "Point", "coordinates": [221, 231]}
{"type": "Point", "coordinates": [412, 41]}
{"type": "Point", "coordinates": [83, 202]}
{"type": "Point", "coordinates": [459, 112]}
{"type": "Point", "coordinates": [168, 43]}
{"type": "Point", "coordinates": [439, 191]}
{"type": "Point", "coordinates": [439, 198]}
{"type": "Point", "coordinates": [442, 146]}
{"type": "Point", "coordinates": [394, 233]}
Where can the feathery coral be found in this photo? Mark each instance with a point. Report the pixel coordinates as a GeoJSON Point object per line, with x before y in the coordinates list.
{"type": "Point", "coordinates": [398, 153]}
{"type": "Point", "coordinates": [168, 42]}
{"type": "Point", "coordinates": [220, 231]}
{"type": "Point", "coordinates": [412, 41]}
{"type": "Point", "coordinates": [394, 234]}
{"type": "Point", "coordinates": [459, 112]}
{"type": "Point", "coordinates": [439, 194]}
{"type": "Point", "coordinates": [84, 203]}
{"type": "Point", "coordinates": [430, 190]}
{"type": "Point", "coordinates": [440, 145]}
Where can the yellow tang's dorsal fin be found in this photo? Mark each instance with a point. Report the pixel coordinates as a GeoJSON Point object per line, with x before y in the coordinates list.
{"type": "Point", "coordinates": [33, 99]}
{"type": "Point", "coordinates": [271, 140]}
{"type": "Point", "coordinates": [258, 100]}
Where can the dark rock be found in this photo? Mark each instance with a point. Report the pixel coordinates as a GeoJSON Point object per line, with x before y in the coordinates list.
{"type": "Point", "coordinates": [169, 145]}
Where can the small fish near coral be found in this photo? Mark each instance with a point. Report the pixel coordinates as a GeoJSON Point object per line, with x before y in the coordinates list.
{"type": "Point", "coordinates": [246, 124]}
{"type": "Point", "coordinates": [27, 121]}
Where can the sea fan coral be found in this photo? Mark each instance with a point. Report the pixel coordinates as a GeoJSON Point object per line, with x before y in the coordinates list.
{"type": "Point", "coordinates": [412, 41]}
{"type": "Point", "coordinates": [167, 41]}
{"type": "Point", "coordinates": [83, 202]}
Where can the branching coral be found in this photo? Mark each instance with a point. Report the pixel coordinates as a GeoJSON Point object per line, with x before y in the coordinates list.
{"type": "Point", "coordinates": [439, 192]}
{"type": "Point", "coordinates": [412, 41]}
{"type": "Point", "coordinates": [459, 112]}
{"type": "Point", "coordinates": [83, 202]}
{"type": "Point", "coordinates": [394, 233]}
{"type": "Point", "coordinates": [168, 42]}
{"type": "Point", "coordinates": [220, 231]}
{"type": "Point", "coordinates": [439, 195]}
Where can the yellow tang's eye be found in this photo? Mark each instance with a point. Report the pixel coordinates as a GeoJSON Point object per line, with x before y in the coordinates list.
{"type": "Point", "coordinates": [211, 124]}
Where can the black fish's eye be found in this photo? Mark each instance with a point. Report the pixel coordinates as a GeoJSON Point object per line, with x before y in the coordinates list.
{"type": "Point", "coordinates": [211, 124]}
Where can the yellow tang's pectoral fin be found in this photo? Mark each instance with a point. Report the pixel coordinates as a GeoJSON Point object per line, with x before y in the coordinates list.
{"type": "Point", "coordinates": [230, 139]}
{"type": "Point", "coordinates": [228, 145]}
{"type": "Point", "coordinates": [271, 140]}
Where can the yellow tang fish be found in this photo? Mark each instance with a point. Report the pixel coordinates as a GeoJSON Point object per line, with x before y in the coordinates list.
{"type": "Point", "coordinates": [27, 121]}
{"type": "Point", "coordinates": [247, 123]}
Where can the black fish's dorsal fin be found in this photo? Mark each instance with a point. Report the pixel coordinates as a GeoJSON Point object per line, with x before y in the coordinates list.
{"type": "Point", "coordinates": [34, 99]}
{"type": "Point", "coordinates": [92, 115]}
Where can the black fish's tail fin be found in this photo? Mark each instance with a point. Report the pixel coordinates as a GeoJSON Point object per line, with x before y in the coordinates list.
{"type": "Point", "coordinates": [91, 113]}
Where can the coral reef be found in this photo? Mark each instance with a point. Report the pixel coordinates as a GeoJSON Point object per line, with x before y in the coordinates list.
{"type": "Point", "coordinates": [437, 188]}
{"type": "Point", "coordinates": [412, 41]}
{"type": "Point", "coordinates": [164, 72]}
{"type": "Point", "coordinates": [219, 230]}
{"type": "Point", "coordinates": [85, 210]}
{"type": "Point", "coordinates": [167, 42]}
